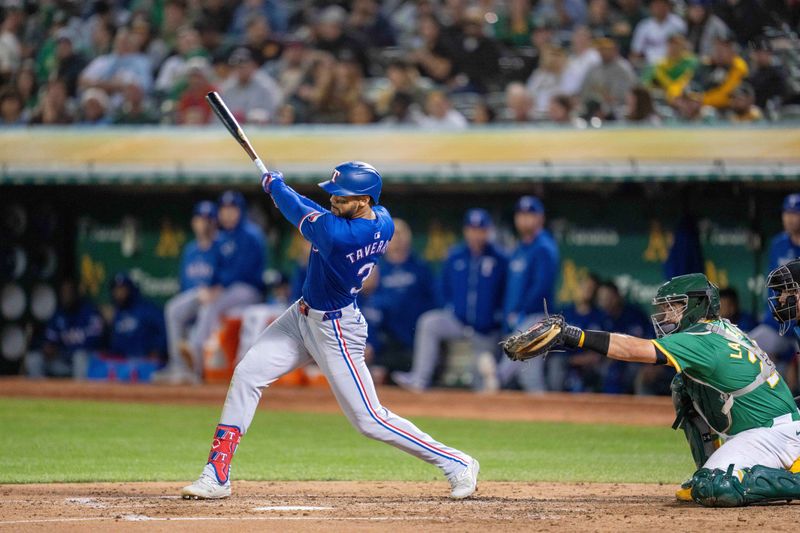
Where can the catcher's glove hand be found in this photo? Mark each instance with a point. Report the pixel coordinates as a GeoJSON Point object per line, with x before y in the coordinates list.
{"type": "Point", "coordinates": [547, 334]}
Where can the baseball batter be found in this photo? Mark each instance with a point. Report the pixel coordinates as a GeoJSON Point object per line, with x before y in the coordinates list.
{"type": "Point", "coordinates": [726, 386]}
{"type": "Point", "coordinates": [326, 326]}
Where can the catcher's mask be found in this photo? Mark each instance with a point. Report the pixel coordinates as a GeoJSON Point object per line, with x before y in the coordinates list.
{"type": "Point", "coordinates": [682, 301]}
{"type": "Point", "coordinates": [783, 293]}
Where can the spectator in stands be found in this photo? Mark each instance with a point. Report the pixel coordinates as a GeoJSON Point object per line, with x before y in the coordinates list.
{"type": "Point", "coordinates": [579, 370]}
{"type": "Point", "coordinates": [742, 107]}
{"type": "Point", "coordinates": [11, 108]}
{"type": "Point", "coordinates": [135, 108]}
{"type": "Point", "coordinates": [703, 27]}
{"type": "Point", "coordinates": [402, 77]}
{"type": "Point", "coordinates": [650, 36]}
{"type": "Point", "coordinates": [291, 68]}
{"type": "Point", "coordinates": [174, 69]}
{"type": "Point", "coordinates": [767, 77]}
{"type": "Point", "coordinates": [519, 104]}
{"type": "Point", "coordinates": [347, 89]}
{"type": "Point", "coordinates": [68, 63]}
{"type": "Point", "coordinates": [566, 14]}
{"type": "Point", "coordinates": [94, 108]}
{"type": "Point", "coordinates": [689, 107]}
{"type": "Point", "coordinates": [729, 309]}
{"type": "Point", "coordinates": [238, 278]}
{"type": "Point", "coordinates": [370, 24]}
{"type": "Point", "coordinates": [54, 106]}
{"type": "Point", "coordinates": [514, 23]}
{"type": "Point", "coordinates": [248, 90]}
{"type": "Point", "coordinates": [439, 113]}
{"type": "Point", "coordinates": [25, 84]}
{"type": "Point", "coordinates": [546, 79]}
{"type": "Point", "coordinates": [640, 108]}
{"type": "Point", "coordinates": [433, 56]}
{"type": "Point", "coordinates": [600, 19]}
{"type": "Point", "coordinates": [476, 55]}
{"type": "Point", "coordinates": [192, 108]}
{"type": "Point", "coordinates": [111, 72]}
{"type": "Point", "coordinates": [405, 290]}
{"type": "Point", "coordinates": [561, 111]}
{"type": "Point", "coordinates": [784, 247]}
{"type": "Point", "coordinates": [260, 41]}
{"type": "Point", "coordinates": [471, 292]}
{"type": "Point", "coordinates": [199, 262]}
{"type": "Point", "coordinates": [361, 113]}
{"type": "Point", "coordinates": [627, 318]}
{"type": "Point", "coordinates": [330, 37]}
{"type": "Point", "coordinates": [273, 10]}
{"type": "Point", "coordinates": [75, 329]}
{"type": "Point", "coordinates": [673, 73]}
{"type": "Point", "coordinates": [10, 45]}
{"type": "Point", "coordinates": [631, 14]}
{"type": "Point", "coordinates": [532, 274]}
{"type": "Point", "coordinates": [582, 58]}
{"type": "Point", "coordinates": [723, 75]}
{"type": "Point", "coordinates": [167, 35]}
{"type": "Point", "coordinates": [482, 113]}
{"type": "Point", "coordinates": [101, 39]}
{"type": "Point", "coordinates": [607, 84]}
{"type": "Point", "coordinates": [400, 110]}
{"type": "Point", "coordinates": [137, 326]}
{"type": "Point", "coordinates": [746, 18]}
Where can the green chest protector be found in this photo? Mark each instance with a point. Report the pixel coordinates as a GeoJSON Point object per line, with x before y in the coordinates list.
{"type": "Point", "coordinates": [714, 405]}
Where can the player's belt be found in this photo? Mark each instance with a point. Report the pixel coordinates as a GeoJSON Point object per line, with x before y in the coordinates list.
{"type": "Point", "coordinates": [304, 309]}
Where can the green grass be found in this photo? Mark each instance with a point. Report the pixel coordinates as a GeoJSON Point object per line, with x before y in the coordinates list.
{"type": "Point", "coordinates": [57, 440]}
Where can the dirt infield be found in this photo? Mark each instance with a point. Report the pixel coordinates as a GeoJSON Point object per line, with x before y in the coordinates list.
{"type": "Point", "coordinates": [340, 506]}
{"type": "Point", "coordinates": [360, 506]}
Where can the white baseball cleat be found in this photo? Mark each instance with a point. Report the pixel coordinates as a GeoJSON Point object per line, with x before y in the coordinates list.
{"type": "Point", "coordinates": [466, 482]}
{"type": "Point", "coordinates": [206, 488]}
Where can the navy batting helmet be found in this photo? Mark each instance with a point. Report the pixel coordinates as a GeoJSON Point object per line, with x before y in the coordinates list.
{"type": "Point", "coordinates": [354, 178]}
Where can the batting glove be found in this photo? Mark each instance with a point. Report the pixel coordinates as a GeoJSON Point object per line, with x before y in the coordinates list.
{"type": "Point", "coordinates": [269, 178]}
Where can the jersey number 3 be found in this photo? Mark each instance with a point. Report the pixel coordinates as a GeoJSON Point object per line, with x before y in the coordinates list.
{"type": "Point", "coordinates": [362, 274]}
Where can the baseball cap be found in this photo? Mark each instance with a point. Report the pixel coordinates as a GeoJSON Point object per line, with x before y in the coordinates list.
{"type": "Point", "coordinates": [240, 56]}
{"type": "Point", "coordinates": [231, 198]}
{"type": "Point", "coordinates": [205, 209]}
{"type": "Point", "coordinates": [792, 203]}
{"type": "Point", "coordinates": [529, 204]}
{"type": "Point", "coordinates": [477, 218]}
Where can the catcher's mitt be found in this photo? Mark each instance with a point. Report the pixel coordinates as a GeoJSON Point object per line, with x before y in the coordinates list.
{"type": "Point", "coordinates": [539, 339]}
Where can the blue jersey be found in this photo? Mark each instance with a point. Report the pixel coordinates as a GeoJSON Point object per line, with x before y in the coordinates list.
{"type": "Point", "coordinates": [241, 255]}
{"type": "Point", "coordinates": [296, 282]}
{"type": "Point", "coordinates": [472, 286]}
{"type": "Point", "coordinates": [343, 252]}
{"type": "Point", "coordinates": [532, 275]}
{"type": "Point", "coordinates": [405, 291]}
{"type": "Point", "coordinates": [80, 328]}
{"type": "Point", "coordinates": [198, 266]}
{"type": "Point", "coordinates": [138, 329]}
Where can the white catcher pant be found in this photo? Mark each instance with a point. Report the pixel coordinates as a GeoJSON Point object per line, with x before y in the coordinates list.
{"type": "Point", "coordinates": [337, 345]}
{"type": "Point", "coordinates": [775, 447]}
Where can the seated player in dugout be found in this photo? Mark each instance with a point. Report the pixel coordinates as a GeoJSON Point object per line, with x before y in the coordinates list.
{"type": "Point", "coordinates": [726, 390]}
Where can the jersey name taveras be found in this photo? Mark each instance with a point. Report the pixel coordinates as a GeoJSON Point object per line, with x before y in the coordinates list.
{"type": "Point", "coordinates": [728, 365]}
{"type": "Point", "coordinates": [343, 254]}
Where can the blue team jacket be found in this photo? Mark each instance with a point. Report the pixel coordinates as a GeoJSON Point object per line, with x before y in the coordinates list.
{"type": "Point", "coordinates": [532, 274]}
{"type": "Point", "coordinates": [473, 286]}
{"type": "Point", "coordinates": [198, 266]}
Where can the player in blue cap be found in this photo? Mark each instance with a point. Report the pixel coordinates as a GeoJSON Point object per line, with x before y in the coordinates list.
{"type": "Point", "coordinates": [199, 263]}
{"type": "Point", "coordinates": [471, 285]}
{"type": "Point", "coordinates": [532, 274]}
{"type": "Point", "coordinates": [325, 326]}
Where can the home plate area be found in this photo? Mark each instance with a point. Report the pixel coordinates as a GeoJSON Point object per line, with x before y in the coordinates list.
{"type": "Point", "coordinates": [348, 506]}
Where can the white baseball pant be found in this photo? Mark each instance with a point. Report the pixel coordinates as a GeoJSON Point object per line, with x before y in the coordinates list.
{"type": "Point", "coordinates": [775, 447]}
{"type": "Point", "coordinates": [336, 341]}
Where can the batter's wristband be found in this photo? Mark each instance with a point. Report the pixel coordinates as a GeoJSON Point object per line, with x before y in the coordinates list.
{"type": "Point", "coordinates": [596, 341]}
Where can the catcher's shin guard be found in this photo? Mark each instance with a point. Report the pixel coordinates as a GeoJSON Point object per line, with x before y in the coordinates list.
{"type": "Point", "coordinates": [226, 440]}
{"type": "Point", "coordinates": [718, 488]}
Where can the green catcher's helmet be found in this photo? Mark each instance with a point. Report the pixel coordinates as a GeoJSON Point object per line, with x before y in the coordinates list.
{"type": "Point", "coordinates": [683, 301]}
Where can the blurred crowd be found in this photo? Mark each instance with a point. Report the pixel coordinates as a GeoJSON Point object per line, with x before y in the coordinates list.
{"type": "Point", "coordinates": [429, 63]}
{"type": "Point", "coordinates": [429, 324]}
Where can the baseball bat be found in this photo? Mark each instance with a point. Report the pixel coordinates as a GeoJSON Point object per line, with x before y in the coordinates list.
{"type": "Point", "coordinates": [229, 121]}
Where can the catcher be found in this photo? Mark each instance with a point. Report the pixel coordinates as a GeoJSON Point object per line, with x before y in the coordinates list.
{"type": "Point", "coordinates": [726, 390]}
